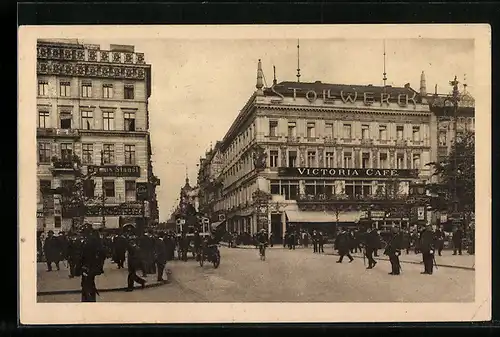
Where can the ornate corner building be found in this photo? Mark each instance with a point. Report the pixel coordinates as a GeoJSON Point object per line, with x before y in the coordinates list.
{"type": "Point", "coordinates": [93, 103]}
{"type": "Point", "coordinates": [324, 152]}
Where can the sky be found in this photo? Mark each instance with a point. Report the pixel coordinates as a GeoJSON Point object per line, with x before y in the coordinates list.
{"type": "Point", "coordinates": [199, 86]}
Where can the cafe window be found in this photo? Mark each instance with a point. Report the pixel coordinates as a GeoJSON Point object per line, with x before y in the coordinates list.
{"type": "Point", "coordinates": [107, 90]}
{"type": "Point", "coordinates": [329, 130]}
{"type": "Point", "coordinates": [43, 119]}
{"type": "Point", "coordinates": [292, 129]}
{"type": "Point", "coordinates": [348, 160]}
{"type": "Point", "coordinates": [365, 160]}
{"type": "Point", "coordinates": [347, 131]}
{"type": "Point", "coordinates": [65, 88]}
{"type": "Point", "coordinates": [273, 158]}
{"type": "Point", "coordinates": [382, 132]}
{"type": "Point", "coordinates": [44, 153]}
{"type": "Point", "coordinates": [129, 154]}
{"type": "Point", "coordinates": [416, 133]}
{"type": "Point", "coordinates": [442, 138]}
{"type": "Point", "coordinates": [330, 159]}
{"type": "Point", "coordinates": [66, 151]}
{"type": "Point", "coordinates": [400, 161]}
{"type": "Point", "coordinates": [129, 121]}
{"type": "Point", "coordinates": [365, 131]}
{"type": "Point", "coordinates": [87, 152]}
{"type": "Point", "coordinates": [108, 122]}
{"type": "Point", "coordinates": [108, 154]}
{"type": "Point", "coordinates": [128, 91]}
{"type": "Point", "coordinates": [43, 88]}
{"type": "Point", "coordinates": [87, 89]}
{"type": "Point", "coordinates": [65, 119]}
{"type": "Point", "coordinates": [399, 132]}
{"type": "Point", "coordinates": [383, 161]}
{"type": "Point", "coordinates": [130, 190]}
{"type": "Point", "coordinates": [273, 128]}
{"type": "Point", "coordinates": [109, 188]}
{"type": "Point", "coordinates": [292, 159]}
{"type": "Point", "coordinates": [311, 158]}
{"type": "Point", "coordinates": [311, 130]}
{"type": "Point", "coordinates": [416, 161]}
{"type": "Point", "coordinates": [319, 187]}
{"type": "Point", "coordinates": [310, 187]}
{"type": "Point", "coordinates": [87, 119]}
{"type": "Point", "coordinates": [358, 188]}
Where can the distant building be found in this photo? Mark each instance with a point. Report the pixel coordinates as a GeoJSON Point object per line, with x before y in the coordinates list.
{"type": "Point", "coordinates": [93, 103]}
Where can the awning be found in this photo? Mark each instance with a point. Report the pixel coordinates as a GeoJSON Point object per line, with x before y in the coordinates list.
{"type": "Point", "coordinates": [321, 217]}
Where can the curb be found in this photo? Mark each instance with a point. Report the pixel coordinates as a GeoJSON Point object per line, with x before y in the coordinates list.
{"type": "Point", "coordinates": [384, 259]}
{"type": "Point", "coordinates": [106, 290]}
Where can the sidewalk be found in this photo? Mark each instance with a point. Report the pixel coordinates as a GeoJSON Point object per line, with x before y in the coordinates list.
{"type": "Point", "coordinates": [447, 260]}
{"type": "Point", "coordinates": [113, 279]}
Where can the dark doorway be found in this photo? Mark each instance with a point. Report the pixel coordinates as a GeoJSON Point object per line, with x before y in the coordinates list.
{"type": "Point", "coordinates": [276, 228]}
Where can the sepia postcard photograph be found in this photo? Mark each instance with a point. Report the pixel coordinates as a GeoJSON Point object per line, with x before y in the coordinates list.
{"type": "Point", "coordinates": [199, 174]}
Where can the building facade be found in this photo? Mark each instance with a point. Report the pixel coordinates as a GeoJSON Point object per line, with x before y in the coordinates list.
{"type": "Point", "coordinates": [322, 150]}
{"type": "Point", "coordinates": [93, 103]}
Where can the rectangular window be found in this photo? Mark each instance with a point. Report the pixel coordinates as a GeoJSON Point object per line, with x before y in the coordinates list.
{"type": "Point", "coordinates": [130, 190]}
{"type": "Point", "coordinates": [365, 160]}
{"type": "Point", "coordinates": [416, 161]}
{"type": "Point", "coordinates": [43, 119]}
{"type": "Point", "coordinates": [442, 138]}
{"type": "Point", "coordinates": [108, 154]}
{"type": "Point", "coordinates": [310, 187]}
{"type": "Point", "coordinates": [108, 120]}
{"type": "Point", "coordinates": [348, 160]}
{"type": "Point", "coordinates": [273, 158]}
{"type": "Point", "coordinates": [311, 130]}
{"type": "Point", "coordinates": [66, 151]}
{"type": "Point", "coordinates": [108, 187]}
{"type": "Point", "coordinates": [87, 119]}
{"type": "Point", "coordinates": [329, 188]}
{"type": "Point", "coordinates": [400, 161]}
{"type": "Point", "coordinates": [129, 154]}
{"type": "Point", "coordinates": [273, 128]}
{"type": "Point", "coordinates": [65, 119]}
{"type": "Point", "coordinates": [89, 188]}
{"type": "Point", "coordinates": [382, 131]}
{"type": "Point", "coordinates": [329, 130]}
{"type": "Point", "coordinates": [330, 159]}
{"type": "Point", "coordinates": [399, 132]}
{"type": "Point", "coordinates": [45, 186]}
{"type": "Point", "coordinates": [416, 133]}
{"type": "Point", "coordinates": [128, 91]}
{"type": "Point", "coordinates": [87, 153]}
{"type": "Point", "coordinates": [365, 131]}
{"type": "Point", "coordinates": [107, 90]}
{"type": "Point", "coordinates": [86, 89]}
{"type": "Point", "coordinates": [44, 153]}
{"type": "Point", "coordinates": [358, 188]}
{"type": "Point", "coordinates": [347, 131]}
{"type": "Point", "coordinates": [383, 161]}
{"type": "Point", "coordinates": [275, 187]}
{"type": "Point", "coordinates": [65, 88]}
{"type": "Point", "coordinates": [43, 88]}
{"type": "Point", "coordinates": [57, 222]}
{"type": "Point", "coordinates": [311, 158]}
{"type": "Point", "coordinates": [129, 121]}
{"type": "Point", "coordinates": [292, 129]}
{"type": "Point", "coordinates": [292, 159]}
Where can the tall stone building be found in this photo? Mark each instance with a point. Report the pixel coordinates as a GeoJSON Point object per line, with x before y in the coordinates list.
{"type": "Point", "coordinates": [93, 103]}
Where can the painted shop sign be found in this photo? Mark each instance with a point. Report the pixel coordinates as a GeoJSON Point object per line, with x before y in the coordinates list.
{"type": "Point", "coordinates": [368, 98]}
{"type": "Point", "coordinates": [130, 210]}
{"type": "Point", "coordinates": [115, 171]}
{"type": "Point", "coordinates": [346, 173]}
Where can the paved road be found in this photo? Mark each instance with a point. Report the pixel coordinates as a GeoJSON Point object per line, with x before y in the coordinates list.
{"type": "Point", "coordinates": [297, 276]}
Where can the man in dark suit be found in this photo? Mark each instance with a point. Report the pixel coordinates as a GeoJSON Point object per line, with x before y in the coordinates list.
{"type": "Point", "coordinates": [439, 240]}
{"type": "Point", "coordinates": [427, 249]}
{"type": "Point", "coordinates": [343, 245]}
{"type": "Point", "coordinates": [160, 252]}
{"type": "Point", "coordinates": [457, 241]}
{"type": "Point", "coordinates": [52, 251]}
{"type": "Point", "coordinates": [393, 250]}
{"type": "Point", "coordinates": [371, 243]}
{"type": "Point", "coordinates": [134, 263]}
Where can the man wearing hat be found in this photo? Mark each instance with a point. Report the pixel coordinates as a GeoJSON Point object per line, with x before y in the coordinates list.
{"type": "Point", "coordinates": [343, 245]}
{"type": "Point", "coordinates": [427, 249]}
{"type": "Point", "coordinates": [92, 260]}
{"type": "Point", "coordinates": [393, 250]}
{"type": "Point", "coordinates": [134, 262]}
{"type": "Point", "coordinates": [52, 251]}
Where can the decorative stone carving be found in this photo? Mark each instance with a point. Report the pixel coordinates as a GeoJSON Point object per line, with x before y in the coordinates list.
{"type": "Point", "coordinates": [375, 158]}
{"type": "Point", "coordinates": [93, 55]}
{"type": "Point", "coordinates": [75, 69]}
{"type": "Point", "coordinates": [129, 58]}
{"type": "Point", "coordinates": [302, 156]}
{"type": "Point", "coordinates": [140, 58]}
{"type": "Point", "coordinates": [356, 158]}
{"type": "Point", "coordinates": [80, 55]}
{"type": "Point", "coordinates": [283, 149]}
{"type": "Point", "coordinates": [104, 56]}
{"type": "Point", "coordinates": [117, 57]}
{"type": "Point", "coordinates": [321, 151]}
{"type": "Point", "coordinates": [259, 157]}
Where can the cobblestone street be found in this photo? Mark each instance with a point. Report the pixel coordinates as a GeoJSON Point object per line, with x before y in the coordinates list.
{"type": "Point", "coordinates": [296, 276]}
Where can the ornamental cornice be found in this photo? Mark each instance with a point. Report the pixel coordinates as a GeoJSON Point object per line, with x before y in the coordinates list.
{"type": "Point", "coordinates": [80, 69]}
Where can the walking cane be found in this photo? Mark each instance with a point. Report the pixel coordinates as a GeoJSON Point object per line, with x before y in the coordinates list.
{"type": "Point", "coordinates": [435, 263]}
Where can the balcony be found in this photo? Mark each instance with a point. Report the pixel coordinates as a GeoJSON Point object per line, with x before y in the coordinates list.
{"type": "Point", "coordinates": [401, 143]}
{"type": "Point", "coordinates": [59, 133]}
{"type": "Point", "coordinates": [330, 141]}
{"type": "Point", "coordinates": [292, 140]}
{"type": "Point", "coordinates": [367, 142]}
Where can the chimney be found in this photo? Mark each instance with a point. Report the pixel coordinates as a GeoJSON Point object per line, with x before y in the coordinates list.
{"type": "Point", "coordinates": [423, 87]}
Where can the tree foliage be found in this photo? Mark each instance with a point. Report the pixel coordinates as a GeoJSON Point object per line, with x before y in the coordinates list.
{"type": "Point", "coordinates": [456, 172]}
